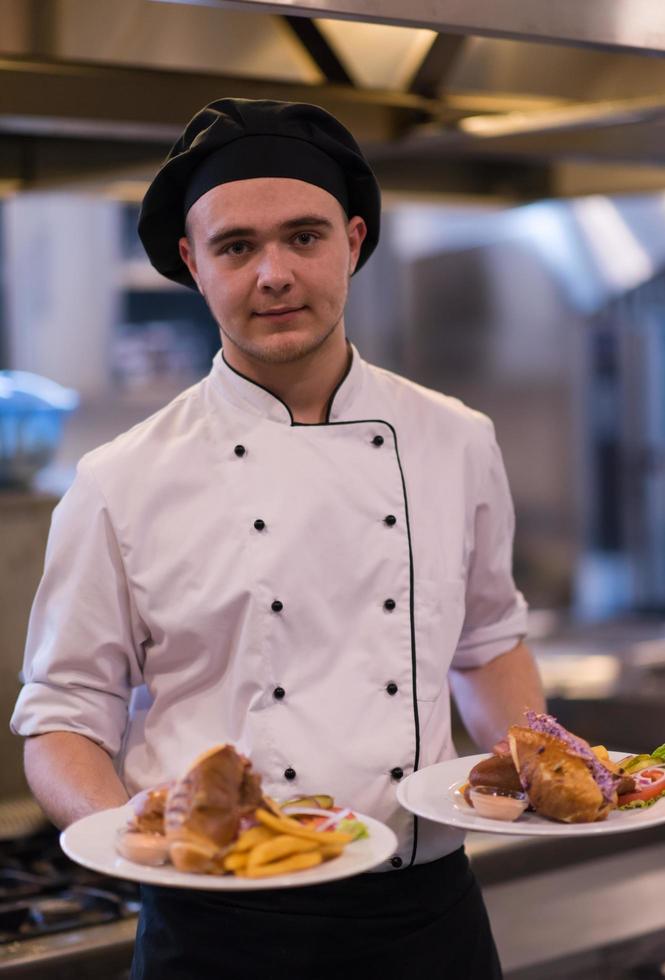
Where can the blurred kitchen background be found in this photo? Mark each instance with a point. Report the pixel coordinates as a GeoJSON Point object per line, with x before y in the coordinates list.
{"type": "Point", "coordinates": [521, 268]}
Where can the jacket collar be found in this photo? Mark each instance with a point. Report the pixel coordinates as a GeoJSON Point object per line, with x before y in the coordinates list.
{"type": "Point", "coordinates": [252, 397]}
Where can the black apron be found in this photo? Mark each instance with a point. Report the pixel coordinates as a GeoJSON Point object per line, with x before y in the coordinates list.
{"type": "Point", "coordinates": [427, 921]}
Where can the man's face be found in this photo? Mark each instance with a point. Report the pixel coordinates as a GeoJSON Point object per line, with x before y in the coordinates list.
{"type": "Point", "coordinates": [270, 244]}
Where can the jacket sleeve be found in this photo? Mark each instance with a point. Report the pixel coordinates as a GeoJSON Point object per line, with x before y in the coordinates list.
{"type": "Point", "coordinates": [496, 612]}
{"type": "Point", "coordinates": [84, 649]}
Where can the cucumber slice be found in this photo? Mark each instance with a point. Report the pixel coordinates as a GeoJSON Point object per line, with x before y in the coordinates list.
{"type": "Point", "coordinates": [322, 801]}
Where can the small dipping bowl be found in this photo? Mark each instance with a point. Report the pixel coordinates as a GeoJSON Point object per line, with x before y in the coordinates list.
{"type": "Point", "coordinates": [140, 848]}
{"type": "Point", "coordinates": [498, 804]}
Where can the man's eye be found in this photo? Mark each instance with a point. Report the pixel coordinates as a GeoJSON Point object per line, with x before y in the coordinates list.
{"type": "Point", "coordinates": [235, 248]}
{"type": "Point", "coordinates": [305, 238]}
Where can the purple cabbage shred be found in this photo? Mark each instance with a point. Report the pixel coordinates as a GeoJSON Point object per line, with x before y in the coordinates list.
{"type": "Point", "coordinates": [548, 725]}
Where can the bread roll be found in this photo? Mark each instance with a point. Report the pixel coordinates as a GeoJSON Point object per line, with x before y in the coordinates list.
{"type": "Point", "coordinates": [559, 784]}
{"type": "Point", "coordinates": [204, 808]}
{"type": "Point", "coordinates": [498, 771]}
{"type": "Point", "coordinates": [197, 855]}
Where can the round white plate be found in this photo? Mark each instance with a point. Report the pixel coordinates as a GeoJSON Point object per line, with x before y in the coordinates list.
{"type": "Point", "coordinates": [91, 842]}
{"type": "Point", "coordinates": [433, 793]}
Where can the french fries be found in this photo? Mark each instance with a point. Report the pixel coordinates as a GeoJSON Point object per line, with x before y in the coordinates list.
{"type": "Point", "coordinates": [279, 845]}
{"type": "Point", "coordinates": [236, 862]}
{"type": "Point", "coordinates": [297, 862]}
{"type": "Point", "coordinates": [251, 838]}
{"type": "Point", "coordinates": [287, 825]}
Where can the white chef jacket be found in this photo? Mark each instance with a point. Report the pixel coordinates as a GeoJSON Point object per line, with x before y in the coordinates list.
{"type": "Point", "coordinates": [220, 573]}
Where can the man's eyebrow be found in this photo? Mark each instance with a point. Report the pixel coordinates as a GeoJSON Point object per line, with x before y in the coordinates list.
{"type": "Point", "coordinates": [308, 221]}
{"type": "Point", "coordinates": [304, 221]}
{"type": "Point", "coordinates": [225, 233]}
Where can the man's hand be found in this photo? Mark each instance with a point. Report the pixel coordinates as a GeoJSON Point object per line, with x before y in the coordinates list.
{"type": "Point", "coordinates": [492, 698]}
{"type": "Point", "coordinates": [71, 776]}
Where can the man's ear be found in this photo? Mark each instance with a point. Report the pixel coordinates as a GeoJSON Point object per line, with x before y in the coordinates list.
{"type": "Point", "coordinates": [357, 231]}
{"type": "Point", "coordinates": [188, 257]}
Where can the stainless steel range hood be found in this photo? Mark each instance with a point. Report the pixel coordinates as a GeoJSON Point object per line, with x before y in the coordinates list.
{"type": "Point", "coordinates": [513, 101]}
{"type": "Point", "coordinates": [638, 25]}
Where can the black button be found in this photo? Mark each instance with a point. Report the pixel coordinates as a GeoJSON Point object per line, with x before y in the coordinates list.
{"type": "Point", "coordinates": [279, 693]}
{"type": "Point", "coordinates": [289, 773]}
{"type": "Point", "coordinates": [239, 450]}
{"type": "Point", "coordinates": [389, 604]}
{"type": "Point", "coordinates": [377, 441]}
{"type": "Point", "coordinates": [396, 862]}
{"type": "Point", "coordinates": [392, 688]}
{"type": "Point", "coordinates": [390, 520]}
{"type": "Point", "coordinates": [259, 524]}
{"type": "Point", "coordinates": [277, 606]}
{"type": "Point", "coordinates": [397, 772]}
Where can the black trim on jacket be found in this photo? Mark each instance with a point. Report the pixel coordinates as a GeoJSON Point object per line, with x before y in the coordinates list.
{"type": "Point", "coordinates": [414, 679]}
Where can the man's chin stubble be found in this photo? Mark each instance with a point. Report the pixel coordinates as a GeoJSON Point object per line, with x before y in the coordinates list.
{"type": "Point", "coordinates": [281, 350]}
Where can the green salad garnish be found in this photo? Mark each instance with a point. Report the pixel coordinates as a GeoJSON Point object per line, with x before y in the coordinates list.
{"type": "Point", "coordinates": [354, 827]}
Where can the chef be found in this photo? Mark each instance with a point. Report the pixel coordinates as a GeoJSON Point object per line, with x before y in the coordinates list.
{"type": "Point", "coordinates": [302, 555]}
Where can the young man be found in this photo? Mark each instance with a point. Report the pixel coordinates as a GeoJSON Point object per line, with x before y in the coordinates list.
{"type": "Point", "coordinates": [300, 555]}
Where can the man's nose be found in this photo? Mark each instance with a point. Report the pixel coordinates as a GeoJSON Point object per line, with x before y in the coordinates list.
{"type": "Point", "coordinates": [274, 271]}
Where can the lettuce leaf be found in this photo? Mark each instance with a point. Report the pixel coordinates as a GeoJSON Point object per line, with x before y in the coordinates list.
{"type": "Point", "coordinates": [659, 753]}
{"type": "Point", "coordinates": [640, 804]}
{"type": "Point", "coordinates": [352, 826]}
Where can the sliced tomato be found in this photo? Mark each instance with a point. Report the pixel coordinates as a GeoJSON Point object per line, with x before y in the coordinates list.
{"type": "Point", "coordinates": [649, 784]}
{"type": "Point", "coordinates": [314, 821]}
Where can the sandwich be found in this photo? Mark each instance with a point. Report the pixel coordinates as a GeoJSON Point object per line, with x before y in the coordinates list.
{"type": "Point", "coordinates": [215, 819]}
{"type": "Point", "coordinates": [562, 776]}
{"type": "Point", "coordinates": [205, 809]}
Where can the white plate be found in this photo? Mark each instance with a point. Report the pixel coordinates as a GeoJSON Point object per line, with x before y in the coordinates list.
{"type": "Point", "coordinates": [433, 793]}
{"type": "Point", "coordinates": [91, 842]}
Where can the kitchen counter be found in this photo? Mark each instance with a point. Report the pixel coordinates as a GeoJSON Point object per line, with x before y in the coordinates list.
{"type": "Point", "coordinates": [575, 909]}
{"type": "Point", "coordinates": [94, 953]}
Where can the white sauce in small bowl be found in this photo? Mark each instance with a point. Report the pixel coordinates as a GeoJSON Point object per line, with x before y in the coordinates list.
{"type": "Point", "coordinates": [498, 804]}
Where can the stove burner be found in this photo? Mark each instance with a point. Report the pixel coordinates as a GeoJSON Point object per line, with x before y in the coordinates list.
{"type": "Point", "coordinates": [42, 891]}
{"type": "Point", "coordinates": [21, 884]}
{"type": "Point", "coordinates": [49, 911]}
{"type": "Point", "coordinates": [70, 909]}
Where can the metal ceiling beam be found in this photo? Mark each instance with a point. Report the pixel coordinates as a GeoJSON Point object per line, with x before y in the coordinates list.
{"type": "Point", "coordinates": [642, 144]}
{"type": "Point", "coordinates": [41, 20]}
{"type": "Point", "coordinates": [34, 162]}
{"type": "Point", "coordinates": [627, 25]}
{"type": "Point", "coordinates": [629, 131]}
{"type": "Point", "coordinates": [578, 115]}
{"type": "Point", "coordinates": [45, 162]}
{"type": "Point", "coordinates": [579, 179]}
{"type": "Point", "coordinates": [320, 51]}
{"type": "Point", "coordinates": [637, 143]}
{"type": "Point", "coordinates": [437, 65]}
{"type": "Point", "coordinates": [48, 163]}
{"type": "Point", "coordinates": [498, 180]}
{"type": "Point", "coordinates": [146, 104]}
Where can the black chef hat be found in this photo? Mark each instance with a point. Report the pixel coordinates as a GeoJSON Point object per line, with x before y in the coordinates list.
{"type": "Point", "coordinates": [236, 139]}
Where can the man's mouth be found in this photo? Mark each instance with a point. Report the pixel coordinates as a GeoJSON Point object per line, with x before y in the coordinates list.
{"type": "Point", "coordinates": [280, 313]}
